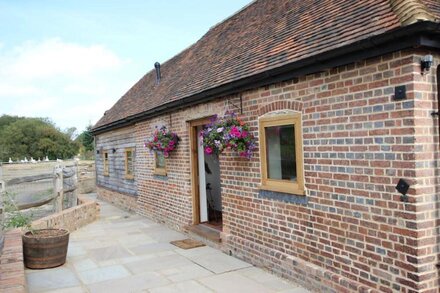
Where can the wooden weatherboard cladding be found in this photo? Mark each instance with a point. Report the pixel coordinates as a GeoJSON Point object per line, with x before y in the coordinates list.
{"type": "Point", "coordinates": [105, 162]}
{"type": "Point", "coordinates": [117, 144]}
{"type": "Point", "coordinates": [288, 155]}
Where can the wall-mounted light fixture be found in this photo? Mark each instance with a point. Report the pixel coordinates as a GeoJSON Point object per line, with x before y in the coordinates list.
{"type": "Point", "coordinates": [114, 150]}
{"type": "Point", "coordinates": [426, 63]}
{"type": "Point", "coordinates": [402, 187]}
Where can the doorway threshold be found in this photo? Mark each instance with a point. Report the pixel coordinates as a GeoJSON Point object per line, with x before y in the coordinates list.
{"type": "Point", "coordinates": [205, 233]}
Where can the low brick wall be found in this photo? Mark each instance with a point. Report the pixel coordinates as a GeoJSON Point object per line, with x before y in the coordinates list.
{"type": "Point", "coordinates": [12, 278]}
{"type": "Point", "coordinates": [124, 201]}
{"type": "Point", "coordinates": [71, 219]}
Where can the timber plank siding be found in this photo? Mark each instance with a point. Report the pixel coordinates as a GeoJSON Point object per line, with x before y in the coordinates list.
{"type": "Point", "coordinates": [119, 140]}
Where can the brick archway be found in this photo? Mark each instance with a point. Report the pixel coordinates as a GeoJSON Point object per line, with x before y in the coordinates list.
{"type": "Point", "coordinates": [280, 105]}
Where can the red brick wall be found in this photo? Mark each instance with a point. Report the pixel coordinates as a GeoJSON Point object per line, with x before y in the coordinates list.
{"type": "Point", "coordinates": [124, 201]}
{"type": "Point", "coordinates": [351, 231]}
{"type": "Point", "coordinates": [427, 189]}
{"type": "Point", "coordinates": [12, 278]}
{"type": "Point", "coordinates": [168, 198]}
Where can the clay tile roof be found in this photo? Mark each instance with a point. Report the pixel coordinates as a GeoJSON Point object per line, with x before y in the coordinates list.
{"type": "Point", "coordinates": [264, 35]}
{"type": "Point", "coordinates": [433, 6]}
{"type": "Point", "coordinates": [411, 11]}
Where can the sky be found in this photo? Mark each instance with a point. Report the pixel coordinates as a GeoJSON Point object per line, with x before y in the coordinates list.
{"type": "Point", "coordinates": [70, 61]}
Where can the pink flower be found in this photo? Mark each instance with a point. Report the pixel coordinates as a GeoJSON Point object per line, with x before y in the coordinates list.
{"type": "Point", "coordinates": [171, 143]}
{"type": "Point", "coordinates": [208, 150]}
{"type": "Point", "coordinates": [244, 134]}
{"type": "Point", "coordinates": [235, 132]}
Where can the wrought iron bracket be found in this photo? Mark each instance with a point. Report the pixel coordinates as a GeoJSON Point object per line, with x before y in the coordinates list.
{"type": "Point", "coordinates": [239, 108]}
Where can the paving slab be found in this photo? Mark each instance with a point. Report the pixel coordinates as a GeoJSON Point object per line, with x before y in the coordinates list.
{"type": "Point", "coordinates": [69, 290]}
{"type": "Point", "coordinates": [187, 286]}
{"type": "Point", "coordinates": [233, 282]}
{"type": "Point", "coordinates": [136, 283]}
{"type": "Point", "coordinates": [50, 279]}
{"type": "Point", "coordinates": [109, 252]}
{"type": "Point", "coordinates": [218, 262]}
{"type": "Point", "coordinates": [124, 252]}
{"type": "Point", "coordinates": [103, 274]}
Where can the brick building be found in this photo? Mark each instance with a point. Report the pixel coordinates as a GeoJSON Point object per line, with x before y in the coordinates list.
{"type": "Point", "coordinates": [340, 82]}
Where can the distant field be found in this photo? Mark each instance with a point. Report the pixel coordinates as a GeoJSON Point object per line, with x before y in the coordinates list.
{"type": "Point", "coordinates": [10, 171]}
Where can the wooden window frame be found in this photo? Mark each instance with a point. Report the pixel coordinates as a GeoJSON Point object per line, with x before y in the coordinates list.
{"type": "Point", "coordinates": [159, 171]}
{"type": "Point", "coordinates": [106, 166]}
{"type": "Point", "coordinates": [127, 175]}
{"type": "Point", "coordinates": [282, 185]}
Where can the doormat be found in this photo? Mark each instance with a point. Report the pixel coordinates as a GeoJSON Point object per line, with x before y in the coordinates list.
{"type": "Point", "coordinates": [187, 243]}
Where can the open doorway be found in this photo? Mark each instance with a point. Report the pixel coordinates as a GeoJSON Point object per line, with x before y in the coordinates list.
{"type": "Point", "coordinates": [206, 182]}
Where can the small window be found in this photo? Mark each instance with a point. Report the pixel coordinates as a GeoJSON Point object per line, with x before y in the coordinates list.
{"type": "Point", "coordinates": [105, 160]}
{"type": "Point", "coordinates": [129, 163]}
{"type": "Point", "coordinates": [281, 153]}
{"type": "Point", "coordinates": [159, 164]}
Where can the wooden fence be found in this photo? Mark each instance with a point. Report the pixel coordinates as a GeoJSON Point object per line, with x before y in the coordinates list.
{"type": "Point", "coordinates": [59, 188]}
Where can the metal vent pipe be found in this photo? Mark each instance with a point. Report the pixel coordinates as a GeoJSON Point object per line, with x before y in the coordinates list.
{"type": "Point", "coordinates": [157, 66]}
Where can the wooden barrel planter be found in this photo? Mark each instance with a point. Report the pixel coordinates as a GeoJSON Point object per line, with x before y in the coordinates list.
{"type": "Point", "coordinates": [45, 248]}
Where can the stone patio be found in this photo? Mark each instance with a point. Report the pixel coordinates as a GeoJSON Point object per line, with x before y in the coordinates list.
{"type": "Point", "coordinates": [123, 252]}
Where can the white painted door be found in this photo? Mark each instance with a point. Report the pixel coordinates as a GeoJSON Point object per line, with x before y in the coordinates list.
{"type": "Point", "coordinates": [202, 179]}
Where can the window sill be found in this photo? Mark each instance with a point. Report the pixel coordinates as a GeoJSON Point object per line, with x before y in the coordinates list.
{"type": "Point", "coordinates": [287, 189]}
{"type": "Point", "coordinates": [283, 197]}
{"type": "Point", "coordinates": [128, 177]}
{"type": "Point", "coordinates": [160, 172]}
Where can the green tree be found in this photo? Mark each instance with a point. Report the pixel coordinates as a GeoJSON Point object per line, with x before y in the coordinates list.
{"type": "Point", "coordinates": [35, 137]}
{"type": "Point", "coordinates": [87, 143]}
{"type": "Point", "coordinates": [5, 120]}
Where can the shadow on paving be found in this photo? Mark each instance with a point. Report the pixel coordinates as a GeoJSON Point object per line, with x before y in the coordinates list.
{"type": "Point", "coordinates": [124, 252]}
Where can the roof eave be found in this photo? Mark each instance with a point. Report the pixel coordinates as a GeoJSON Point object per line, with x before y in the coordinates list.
{"type": "Point", "coordinates": [415, 35]}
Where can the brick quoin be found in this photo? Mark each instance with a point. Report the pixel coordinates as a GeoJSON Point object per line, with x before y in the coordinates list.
{"type": "Point", "coordinates": [350, 232]}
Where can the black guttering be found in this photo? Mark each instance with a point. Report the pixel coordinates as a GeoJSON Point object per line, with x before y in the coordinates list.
{"type": "Point", "coordinates": [420, 34]}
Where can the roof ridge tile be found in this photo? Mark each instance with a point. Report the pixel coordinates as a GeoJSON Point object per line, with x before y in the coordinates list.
{"type": "Point", "coordinates": [411, 11]}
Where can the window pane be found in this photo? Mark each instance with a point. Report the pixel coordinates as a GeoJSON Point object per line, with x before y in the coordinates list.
{"type": "Point", "coordinates": [129, 158]}
{"type": "Point", "coordinates": [106, 162]}
{"type": "Point", "coordinates": [280, 152]}
{"type": "Point", "coordinates": [160, 160]}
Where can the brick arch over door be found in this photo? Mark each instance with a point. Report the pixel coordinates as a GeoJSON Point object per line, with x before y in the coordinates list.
{"type": "Point", "coordinates": [280, 105]}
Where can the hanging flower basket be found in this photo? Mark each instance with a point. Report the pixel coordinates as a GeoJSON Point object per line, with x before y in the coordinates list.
{"type": "Point", "coordinates": [163, 141]}
{"type": "Point", "coordinates": [228, 132]}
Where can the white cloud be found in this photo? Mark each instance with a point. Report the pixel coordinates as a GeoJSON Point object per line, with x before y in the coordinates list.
{"type": "Point", "coordinates": [54, 57]}
{"type": "Point", "coordinates": [11, 91]}
{"type": "Point", "coordinates": [70, 83]}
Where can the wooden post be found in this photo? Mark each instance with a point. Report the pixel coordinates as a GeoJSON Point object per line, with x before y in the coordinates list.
{"type": "Point", "coordinates": [70, 183]}
{"type": "Point", "coordinates": [2, 212]}
{"type": "Point", "coordinates": [75, 180]}
{"type": "Point", "coordinates": [58, 188]}
{"type": "Point", "coordinates": [2, 186]}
